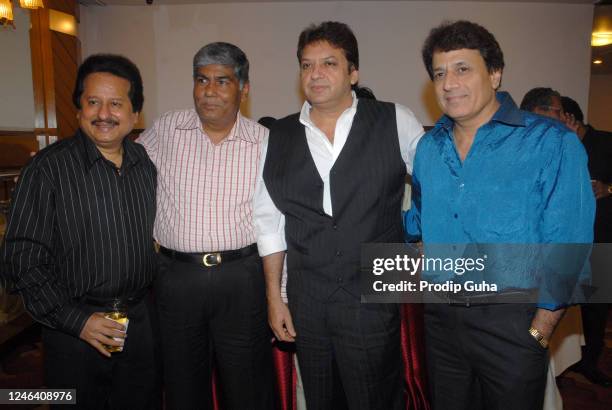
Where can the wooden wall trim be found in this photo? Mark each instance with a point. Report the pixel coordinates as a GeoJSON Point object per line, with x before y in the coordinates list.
{"type": "Point", "coordinates": [66, 64]}
{"type": "Point", "coordinates": [15, 148]}
{"type": "Point", "coordinates": [21, 133]}
{"type": "Point", "coordinates": [65, 6]}
{"type": "Point", "coordinates": [55, 58]}
{"type": "Point", "coordinates": [135, 133]}
{"type": "Point", "coordinates": [42, 69]}
{"type": "Point", "coordinates": [38, 78]}
{"type": "Point", "coordinates": [48, 69]}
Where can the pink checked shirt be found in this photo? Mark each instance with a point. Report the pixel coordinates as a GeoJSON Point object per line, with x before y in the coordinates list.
{"type": "Point", "coordinates": [204, 191]}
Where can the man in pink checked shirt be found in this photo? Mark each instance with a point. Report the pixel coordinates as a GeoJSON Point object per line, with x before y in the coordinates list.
{"type": "Point", "coordinates": [210, 289]}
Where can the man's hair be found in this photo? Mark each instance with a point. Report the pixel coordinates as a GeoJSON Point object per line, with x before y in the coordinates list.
{"type": "Point", "coordinates": [339, 35]}
{"type": "Point", "coordinates": [113, 64]}
{"type": "Point", "coordinates": [538, 97]}
{"type": "Point", "coordinates": [223, 54]}
{"type": "Point", "coordinates": [450, 36]}
{"type": "Point", "coordinates": [571, 107]}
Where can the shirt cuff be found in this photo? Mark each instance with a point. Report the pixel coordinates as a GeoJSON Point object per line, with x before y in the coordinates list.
{"type": "Point", "coordinates": [71, 319]}
{"type": "Point", "coordinates": [550, 306]}
{"type": "Point", "coordinates": [271, 243]}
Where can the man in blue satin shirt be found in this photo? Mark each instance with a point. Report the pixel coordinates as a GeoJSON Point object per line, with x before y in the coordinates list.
{"type": "Point", "coordinates": [490, 173]}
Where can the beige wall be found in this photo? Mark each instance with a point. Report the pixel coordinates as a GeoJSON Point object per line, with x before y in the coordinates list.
{"type": "Point", "coordinates": [544, 44]}
{"type": "Point", "coordinates": [17, 100]}
{"type": "Point", "coordinates": [600, 102]}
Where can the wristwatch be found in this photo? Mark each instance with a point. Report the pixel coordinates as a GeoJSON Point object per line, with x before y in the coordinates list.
{"type": "Point", "coordinates": [539, 337]}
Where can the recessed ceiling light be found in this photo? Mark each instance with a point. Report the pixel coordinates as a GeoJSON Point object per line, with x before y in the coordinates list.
{"type": "Point", "coordinates": [597, 61]}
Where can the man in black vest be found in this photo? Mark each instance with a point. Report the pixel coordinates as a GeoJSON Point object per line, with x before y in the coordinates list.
{"type": "Point", "coordinates": [334, 179]}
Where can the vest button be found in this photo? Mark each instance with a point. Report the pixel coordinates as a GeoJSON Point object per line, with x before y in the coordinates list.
{"type": "Point", "coordinates": [339, 280]}
{"type": "Point", "coordinates": [335, 227]}
{"type": "Point", "coordinates": [338, 253]}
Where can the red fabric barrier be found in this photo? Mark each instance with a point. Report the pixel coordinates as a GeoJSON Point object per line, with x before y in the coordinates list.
{"type": "Point", "coordinates": [286, 378]}
{"type": "Point", "coordinates": [413, 355]}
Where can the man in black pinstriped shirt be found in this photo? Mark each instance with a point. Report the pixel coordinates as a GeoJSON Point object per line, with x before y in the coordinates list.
{"type": "Point", "coordinates": [80, 235]}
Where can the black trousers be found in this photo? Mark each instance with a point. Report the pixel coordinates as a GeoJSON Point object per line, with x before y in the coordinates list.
{"type": "Point", "coordinates": [482, 357]}
{"type": "Point", "coordinates": [128, 380]}
{"type": "Point", "coordinates": [594, 320]}
{"type": "Point", "coordinates": [218, 314]}
{"type": "Point", "coordinates": [362, 339]}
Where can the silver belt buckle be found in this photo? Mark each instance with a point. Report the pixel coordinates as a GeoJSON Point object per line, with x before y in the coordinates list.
{"type": "Point", "coordinates": [211, 259]}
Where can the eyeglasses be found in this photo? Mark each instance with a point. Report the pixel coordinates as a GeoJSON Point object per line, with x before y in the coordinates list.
{"type": "Point", "coordinates": [551, 108]}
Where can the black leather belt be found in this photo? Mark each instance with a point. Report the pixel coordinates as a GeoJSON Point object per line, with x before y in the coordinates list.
{"type": "Point", "coordinates": [484, 299]}
{"type": "Point", "coordinates": [126, 300]}
{"type": "Point", "coordinates": [210, 259]}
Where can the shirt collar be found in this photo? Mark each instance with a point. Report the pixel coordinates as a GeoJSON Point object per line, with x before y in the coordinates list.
{"type": "Point", "coordinates": [130, 153]}
{"type": "Point", "coordinates": [507, 113]}
{"type": "Point", "coordinates": [91, 154]}
{"type": "Point", "coordinates": [306, 107]}
{"type": "Point", "coordinates": [192, 121]}
{"type": "Point", "coordinates": [87, 148]}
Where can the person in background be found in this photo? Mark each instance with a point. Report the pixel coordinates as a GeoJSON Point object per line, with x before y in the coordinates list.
{"type": "Point", "coordinates": [598, 145]}
{"type": "Point", "coordinates": [543, 101]}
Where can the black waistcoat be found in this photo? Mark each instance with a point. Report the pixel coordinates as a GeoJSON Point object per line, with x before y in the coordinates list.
{"type": "Point", "coordinates": [366, 184]}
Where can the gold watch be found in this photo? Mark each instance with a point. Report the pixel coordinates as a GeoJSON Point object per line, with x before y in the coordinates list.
{"type": "Point", "coordinates": [539, 337]}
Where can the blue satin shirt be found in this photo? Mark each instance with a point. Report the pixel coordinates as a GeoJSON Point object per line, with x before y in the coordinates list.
{"type": "Point", "coordinates": [524, 181]}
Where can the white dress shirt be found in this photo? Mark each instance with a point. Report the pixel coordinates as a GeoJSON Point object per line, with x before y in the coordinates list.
{"type": "Point", "coordinates": [269, 221]}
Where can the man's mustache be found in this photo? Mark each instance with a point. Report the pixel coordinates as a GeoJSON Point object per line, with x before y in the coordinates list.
{"type": "Point", "coordinates": [104, 122]}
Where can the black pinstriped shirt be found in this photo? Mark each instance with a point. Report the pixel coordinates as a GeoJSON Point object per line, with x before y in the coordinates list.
{"type": "Point", "coordinates": [79, 226]}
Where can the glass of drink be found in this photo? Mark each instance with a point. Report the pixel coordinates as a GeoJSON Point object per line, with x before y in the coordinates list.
{"type": "Point", "coordinates": [117, 311]}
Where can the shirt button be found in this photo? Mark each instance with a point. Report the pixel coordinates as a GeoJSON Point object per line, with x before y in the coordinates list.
{"type": "Point", "coordinates": [461, 185]}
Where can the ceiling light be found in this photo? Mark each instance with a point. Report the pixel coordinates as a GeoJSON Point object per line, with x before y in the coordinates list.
{"type": "Point", "coordinates": [31, 4]}
{"type": "Point", "coordinates": [601, 38]}
{"type": "Point", "coordinates": [6, 10]}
